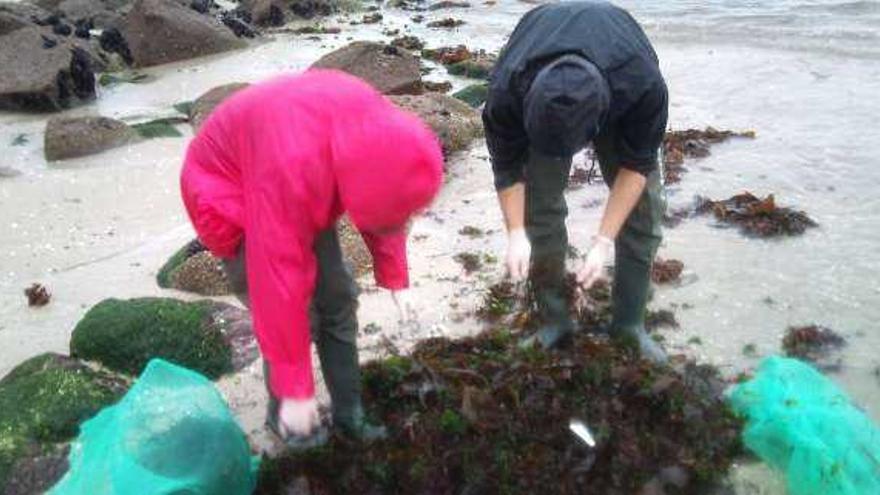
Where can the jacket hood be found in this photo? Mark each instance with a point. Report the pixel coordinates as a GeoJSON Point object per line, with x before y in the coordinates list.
{"type": "Point", "coordinates": [388, 165]}
{"type": "Point", "coordinates": [565, 106]}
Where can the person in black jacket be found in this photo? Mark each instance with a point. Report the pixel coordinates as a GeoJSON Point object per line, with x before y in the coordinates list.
{"type": "Point", "coordinates": [574, 73]}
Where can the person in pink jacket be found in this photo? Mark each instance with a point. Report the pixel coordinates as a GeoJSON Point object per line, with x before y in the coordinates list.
{"type": "Point", "coordinates": [264, 182]}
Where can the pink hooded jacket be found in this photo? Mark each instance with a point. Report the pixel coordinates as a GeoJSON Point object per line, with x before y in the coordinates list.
{"type": "Point", "coordinates": [279, 162]}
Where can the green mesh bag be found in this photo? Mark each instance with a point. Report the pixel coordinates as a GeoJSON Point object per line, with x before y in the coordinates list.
{"type": "Point", "coordinates": [172, 433]}
{"type": "Point", "coordinates": [799, 422]}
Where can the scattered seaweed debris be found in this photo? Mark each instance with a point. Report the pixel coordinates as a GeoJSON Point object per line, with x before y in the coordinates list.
{"type": "Point", "coordinates": [579, 177]}
{"type": "Point", "coordinates": [437, 87]}
{"type": "Point", "coordinates": [666, 271]}
{"type": "Point", "coordinates": [447, 23]}
{"type": "Point", "coordinates": [471, 262]}
{"type": "Point", "coordinates": [37, 295]}
{"type": "Point", "coordinates": [480, 415]}
{"type": "Point", "coordinates": [448, 54]}
{"type": "Point", "coordinates": [813, 343]}
{"type": "Point", "coordinates": [413, 43]}
{"type": "Point", "coordinates": [691, 143]}
{"type": "Point", "coordinates": [471, 231]}
{"type": "Point", "coordinates": [756, 216]}
{"type": "Point", "coordinates": [499, 301]}
{"type": "Point", "coordinates": [661, 318]}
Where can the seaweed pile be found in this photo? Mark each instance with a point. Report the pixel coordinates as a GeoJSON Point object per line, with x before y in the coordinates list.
{"type": "Point", "coordinates": [482, 415]}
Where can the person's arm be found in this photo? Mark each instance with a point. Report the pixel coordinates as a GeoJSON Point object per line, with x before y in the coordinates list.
{"type": "Point", "coordinates": [389, 259]}
{"type": "Point", "coordinates": [513, 206]}
{"type": "Point", "coordinates": [625, 194]}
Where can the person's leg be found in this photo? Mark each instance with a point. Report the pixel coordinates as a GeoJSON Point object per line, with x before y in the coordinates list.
{"type": "Point", "coordinates": [335, 332]}
{"type": "Point", "coordinates": [236, 273]}
{"type": "Point", "coordinates": [546, 211]}
{"type": "Point", "coordinates": [635, 247]}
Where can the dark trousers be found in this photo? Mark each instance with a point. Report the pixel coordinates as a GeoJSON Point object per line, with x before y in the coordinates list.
{"type": "Point", "coordinates": [333, 316]}
{"type": "Point", "coordinates": [635, 246]}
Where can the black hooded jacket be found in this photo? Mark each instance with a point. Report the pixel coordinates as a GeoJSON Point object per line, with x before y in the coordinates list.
{"type": "Point", "coordinates": [608, 37]}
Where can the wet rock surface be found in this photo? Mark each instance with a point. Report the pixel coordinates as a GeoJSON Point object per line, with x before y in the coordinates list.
{"type": "Point", "coordinates": [474, 95]}
{"type": "Point", "coordinates": [202, 274]}
{"type": "Point", "coordinates": [205, 104]}
{"type": "Point", "coordinates": [691, 143]}
{"type": "Point", "coordinates": [124, 335]}
{"type": "Point", "coordinates": [455, 123]}
{"type": "Point", "coordinates": [389, 69]}
{"type": "Point", "coordinates": [759, 217]}
{"type": "Point", "coordinates": [42, 403]}
{"type": "Point", "coordinates": [43, 72]}
{"type": "Point", "coordinates": [37, 295]}
{"type": "Point", "coordinates": [162, 31]}
{"type": "Point", "coordinates": [71, 137]}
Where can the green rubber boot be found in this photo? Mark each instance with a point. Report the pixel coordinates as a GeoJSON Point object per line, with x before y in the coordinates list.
{"type": "Point", "coordinates": [629, 296]}
{"type": "Point", "coordinates": [547, 277]}
{"type": "Point", "coordinates": [342, 373]}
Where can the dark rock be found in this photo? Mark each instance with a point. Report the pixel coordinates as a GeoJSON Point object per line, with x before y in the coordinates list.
{"type": "Point", "coordinates": [448, 54]}
{"type": "Point", "coordinates": [205, 336]}
{"type": "Point", "coordinates": [454, 122]}
{"type": "Point", "coordinates": [308, 9]}
{"type": "Point", "coordinates": [437, 87]}
{"type": "Point", "coordinates": [35, 78]}
{"type": "Point", "coordinates": [163, 31]}
{"type": "Point", "coordinates": [71, 137]}
{"type": "Point", "coordinates": [372, 18]}
{"type": "Point", "coordinates": [205, 104]}
{"type": "Point", "coordinates": [418, 19]}
{"type": "Point", "coordinates": [388, 69]}
{"type": "Point", "coordinates": [449, 4]}
{"type": "Point", "coordinates": [37, 295]}
{"type": "Point", "coordinates": [49, 42]}
{"type": "Point", "coordinates": [38, 473]}
{"type": "Point", "coordinates": [201, 6]}
{"type": "Point", "coordinates": [82, 28]}
{"type": "Point", "coordinates": [111, 41]}
{"type": "Point", "coordinates": [62, 29]}
{"type": "Point", "coordinates": [238, 26]}
{"type": "Point", "coordinates": [265, 12]}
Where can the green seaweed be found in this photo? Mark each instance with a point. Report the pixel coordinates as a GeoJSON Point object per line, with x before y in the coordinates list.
{"type": "Point", "coordinates": [110, 79]}
{"type": "Point", "coordinates": [44, 400]}
{"type": "Point", "coordinates": [124, 335]}
{"type": "Point", "coordinates": [159, 128]}
{"type": "Point", "coordinates": [474, 95]}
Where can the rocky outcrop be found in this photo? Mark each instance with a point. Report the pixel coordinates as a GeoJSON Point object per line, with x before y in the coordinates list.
{"type": "Point", "coordinates": [389, 69]}
{"type": "Point", "coordinates": [205, 104]}
{"type": "Point", "coordinates": [454, 122]}
{"type": "Point", "coordinates": [100, 13]}
{"type": "Point", "coordinates": [71, 137]}
{"type": "Point", "coordinates": [206, 336]}
{"type": "Point", "coordinates": [163, 31]}
{"type": "Point", "coordinates": [16, 15]}
{"type": "Point", "coordinates": [40, 72]}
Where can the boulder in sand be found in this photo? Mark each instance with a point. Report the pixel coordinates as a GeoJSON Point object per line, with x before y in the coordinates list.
{"type": "Point", "coordinates": [206, 103]}
{"type": "Point", "coordinates": [163, 31]}
{"type": "Point", "coordinates": [40, 72]}
{"type": "Point", "coordinates": [42, 402]}
{"type": "Point", "coordinates": [71, 137]}
{"type": "Point", "coordinates": [389, 69]}
{"type": "Point", "coordinates": [265, 12]}
{"type": "Point", "coordinates": [206, 336]}
{"type": "Point", "coordinates": [454, 122]}
{"type": "Point", "coordinates": [16, 15]}
{"type": "Point", "coordinates": [101, 13]}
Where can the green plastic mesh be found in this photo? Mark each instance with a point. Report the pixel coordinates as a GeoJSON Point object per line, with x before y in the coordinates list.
{"type": "Point", "coordinates": [172, 433]}
{"type": "Point", "coordinates": [801, 423]}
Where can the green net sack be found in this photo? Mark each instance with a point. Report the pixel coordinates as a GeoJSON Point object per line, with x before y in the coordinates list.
{"type": "Point", "coordinates": [172, 433]}
{"type": "Point", "coordinates": [798, 421]}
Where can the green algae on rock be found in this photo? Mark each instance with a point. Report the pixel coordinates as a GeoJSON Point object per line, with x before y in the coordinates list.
{"type": "Point", "coordinates": [43, 401]}
{"type": "Point", "coordinates": [124, 335]}
{"type": "Point", "coordinates": [474, 95]}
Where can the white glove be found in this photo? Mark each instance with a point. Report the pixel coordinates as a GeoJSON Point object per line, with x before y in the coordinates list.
{"type": "Point", "coordinates": [593, 266]}
{"type": "Point", "coordinates": [298, 417]}
{"type": "Point", "coordinates": [404, 304]}
{"type": "Point", "coordinates": [519, 253]}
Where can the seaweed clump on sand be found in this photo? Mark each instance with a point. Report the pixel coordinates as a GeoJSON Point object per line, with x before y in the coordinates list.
{"type": "Point", "coordinates": [691, 143]}
{"type": "Point", "coordinates": [813, 343]}
{"type": "Point", "coordinates": [756, 216]}
{"type": "Point", "coordinates": [482, 415]}
{"type": "Point", "coordinates": [666, 271]}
